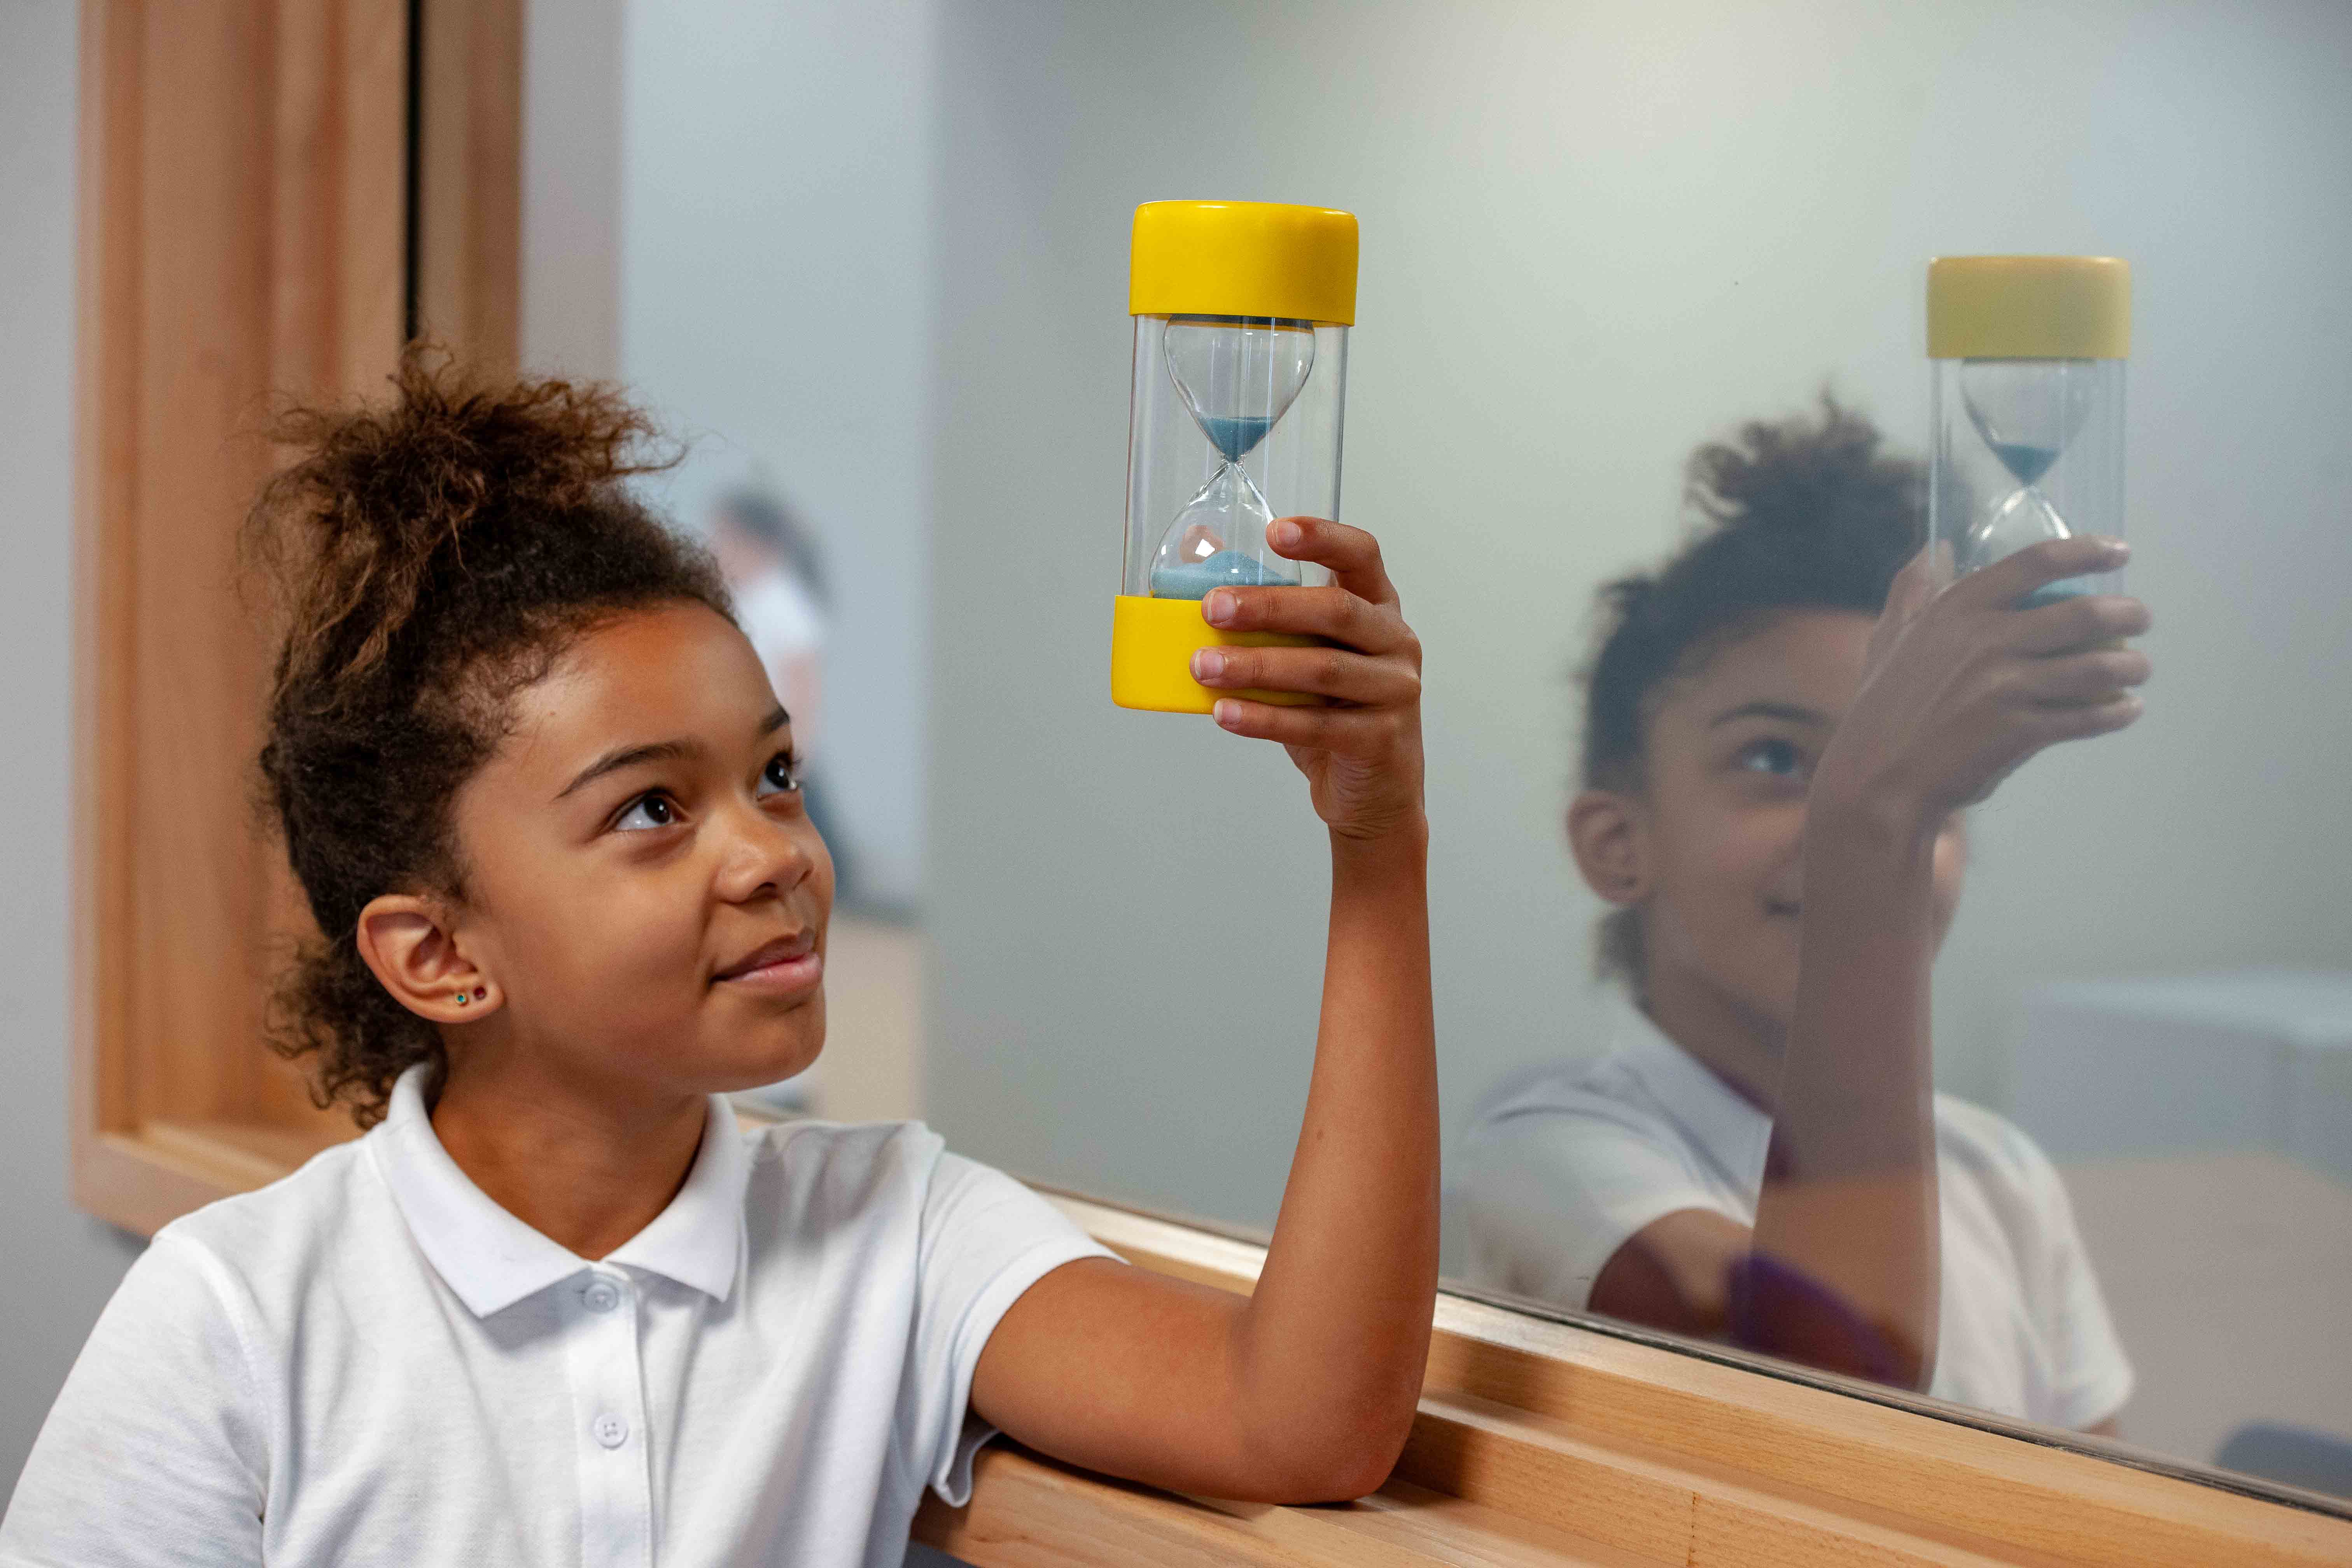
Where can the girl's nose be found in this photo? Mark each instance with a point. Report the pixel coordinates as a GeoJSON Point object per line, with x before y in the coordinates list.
{"type": "Point", "coordinates": [762, 855]}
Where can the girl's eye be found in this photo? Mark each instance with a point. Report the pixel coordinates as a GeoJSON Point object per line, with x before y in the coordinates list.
{"type": "Point", "coordinates": [646, 812]}
{"type": "Point", "coordinates": [1777, 758]}
{"type": "Point", "coordinates": [777, 777]}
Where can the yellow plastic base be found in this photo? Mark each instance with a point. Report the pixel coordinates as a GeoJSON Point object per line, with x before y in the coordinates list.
{"type": "Point", "coordinates": [1152, 644]}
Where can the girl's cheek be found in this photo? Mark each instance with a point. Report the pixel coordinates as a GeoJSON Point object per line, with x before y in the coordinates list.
{"type": "Point", "coordinates": [1761, 837]}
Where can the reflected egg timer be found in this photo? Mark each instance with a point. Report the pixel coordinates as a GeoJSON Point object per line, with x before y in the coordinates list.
{"type": "Point", "coordinates": [2027, 395]}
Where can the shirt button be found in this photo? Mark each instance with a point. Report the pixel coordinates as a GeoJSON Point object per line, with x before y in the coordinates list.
{"type": "Point", "coordinates": [601, 1296]}
{"type": "Point", "coordinates": [610, 1431]}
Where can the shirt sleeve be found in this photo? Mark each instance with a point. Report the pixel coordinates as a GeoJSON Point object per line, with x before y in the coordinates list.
{"type": "Point", "coordinates": [156, 1452]}
{"type": "Point", "coordinates": [986, 1240]}
{"type": "Point", "coordinates": [1551, 1192]}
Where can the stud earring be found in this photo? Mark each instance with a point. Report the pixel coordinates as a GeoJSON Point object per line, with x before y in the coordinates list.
{"type": "Point", "coordinates": [481, 992]}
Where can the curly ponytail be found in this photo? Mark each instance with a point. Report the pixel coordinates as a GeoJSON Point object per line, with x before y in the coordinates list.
{"type": "Point", "coordinates": [434, 555]}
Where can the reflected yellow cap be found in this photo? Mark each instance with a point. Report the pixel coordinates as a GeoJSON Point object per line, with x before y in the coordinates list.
{"type": "Point", "coordinates": [2029, 306]}
{"type": "Point", "coordinates": [1243, 259]}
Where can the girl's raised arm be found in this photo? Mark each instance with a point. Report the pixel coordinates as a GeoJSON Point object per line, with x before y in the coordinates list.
{"type": "Point", "coordinates": [1304, 1391]}
{"type": "Point", "coordinates": [1963, 688]}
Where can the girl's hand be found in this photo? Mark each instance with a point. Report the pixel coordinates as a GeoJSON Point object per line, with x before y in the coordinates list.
{"type": "Point", "coordinates": [1961, 688]}
{"type": "Point", "coordinates": [1360, 754]}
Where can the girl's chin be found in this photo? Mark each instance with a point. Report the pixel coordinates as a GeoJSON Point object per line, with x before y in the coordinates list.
{"type": "Point", "coordinates": [754, 1062]}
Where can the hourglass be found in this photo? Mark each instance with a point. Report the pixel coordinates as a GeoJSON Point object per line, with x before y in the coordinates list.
{"type": "Point", "coordinates": [1237, 378]}
{"type": "Point", "coordinates": [1241, 311]}
{"type": "Point", "coordinates": [2027, 394]}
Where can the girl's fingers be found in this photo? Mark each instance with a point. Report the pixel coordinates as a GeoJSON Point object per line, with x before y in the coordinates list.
{"type": "Point", "coordinates": [2082, 621]}
{"type": "Point", "coordinates": [1350, 732]}
{"type": "Point", "coordinates": [1331, 672]}
{"type": "Point", "coordinates": [2092, 676]}
{"type": "Point", "coordinates": [1353, 555]}
{"type": "Point", "coordinates": [1334, 611]}
{"type": "Point", "coordinates": [2081, 721]}
{"type": "Point", "coordinates": [2001, 585]}
{"type": "Point", "coordinates": [1913, 587]}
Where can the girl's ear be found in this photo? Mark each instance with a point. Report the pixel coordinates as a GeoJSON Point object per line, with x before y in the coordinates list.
{"type": "Point", "coordinates": [1609, 833]}
{"type": "Point", "coordinates": [407, 945]}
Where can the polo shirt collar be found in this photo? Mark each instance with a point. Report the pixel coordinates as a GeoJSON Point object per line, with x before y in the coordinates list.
{"type": "Point", "coordinates": [492, 1259]}
{"type": "Point", "coordinates": [1726, 1128]}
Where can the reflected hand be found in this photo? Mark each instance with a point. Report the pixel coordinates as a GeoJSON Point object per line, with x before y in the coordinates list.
{"type": "Point", "coordinates": [1961, 687]}
{"type": "Point", "coordinates": [1362, 750]}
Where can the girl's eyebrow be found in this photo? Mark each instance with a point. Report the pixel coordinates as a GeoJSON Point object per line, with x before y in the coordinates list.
{"type": "Point", "coordinates": [630, 756]}
{"type": "Point", "coordinates": [1789, 711]}
{"type": "Point", "coordinates": [660, 751]}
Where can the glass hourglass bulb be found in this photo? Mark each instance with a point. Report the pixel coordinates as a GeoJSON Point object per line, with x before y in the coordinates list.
{"type": "Point", "coordinates": [2026, 411]}
{"type": "Point", "coordinates": [1237, 378]}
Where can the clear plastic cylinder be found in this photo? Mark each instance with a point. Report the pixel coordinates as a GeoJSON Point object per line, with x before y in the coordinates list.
{"type": "Point", "coordinates": [2026, 399]}
{"type": "Point", "coordinates": [1241, 313]}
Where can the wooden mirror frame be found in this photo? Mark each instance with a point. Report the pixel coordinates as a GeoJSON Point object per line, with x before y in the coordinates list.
{"type": "Point", "coordinates": [274, 195]}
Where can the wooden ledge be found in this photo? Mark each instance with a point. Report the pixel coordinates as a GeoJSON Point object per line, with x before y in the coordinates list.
{"type": "Point", "coordinates": [1606, 1442]}
{"type": "Point", "coordinates": [1032, 1511]}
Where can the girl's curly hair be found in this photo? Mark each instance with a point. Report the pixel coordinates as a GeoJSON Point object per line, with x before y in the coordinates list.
{"type": "Point", "coordinates": [432, 554]}
{"type": "Point", "coordinates": [1798, 514]}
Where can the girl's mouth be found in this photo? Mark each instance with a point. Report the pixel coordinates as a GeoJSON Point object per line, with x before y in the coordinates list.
{"type": "Point", "coordinates": [787, 964]}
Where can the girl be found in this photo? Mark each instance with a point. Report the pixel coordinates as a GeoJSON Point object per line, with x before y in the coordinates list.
{"type": "Point", "coordinates": [1776, 752]}
{"type": "Point", "coordinates": [554, 1307]}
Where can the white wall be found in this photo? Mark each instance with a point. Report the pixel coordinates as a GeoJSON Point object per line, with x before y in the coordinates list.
{"type": "Point", "coordinates": [62, 1264]}
{"type": "Point", "coordinates": [775, 257]}
{"type": "Point", "coordinates": [571, 187]}
{"type": "Point", "coordinates": [1593, 235]}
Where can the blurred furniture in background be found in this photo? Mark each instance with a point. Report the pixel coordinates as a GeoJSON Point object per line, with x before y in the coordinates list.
{"type": "Point", "coordinates": [2253, 1059]}
{"type": "Point", "coordinates": [2315, 1461]}
{"type": "Point", "coordinates": [2203, 1124]}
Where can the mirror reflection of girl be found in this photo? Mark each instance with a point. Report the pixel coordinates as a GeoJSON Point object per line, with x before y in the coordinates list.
{"type": "Point", "coordinates": [554, 1307]}
{"type": "Point", "coordinates": [1783, 726]}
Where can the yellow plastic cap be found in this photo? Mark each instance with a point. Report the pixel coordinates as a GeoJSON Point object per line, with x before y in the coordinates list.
{"type": "Point", "coordinates": [1243, 259]}
{"type": "Point", "coordinates": [1152, 647]}
{"type": "Point", "coordinates": [2029, 306]}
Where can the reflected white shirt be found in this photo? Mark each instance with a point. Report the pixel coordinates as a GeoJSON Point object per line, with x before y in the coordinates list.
{"type": "Point", "coordinates": [1563, 1163]}
{"type": "Point", "coordinates": [372, 1363]}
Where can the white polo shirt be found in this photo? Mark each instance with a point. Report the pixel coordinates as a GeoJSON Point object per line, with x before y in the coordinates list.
{"type": "Point", "coordinates": [1563, 1164]}
{"type": "Point", "coordinates": [371, 1363]}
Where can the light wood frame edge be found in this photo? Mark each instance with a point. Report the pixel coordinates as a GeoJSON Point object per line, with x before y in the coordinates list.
{"type": "Point", "coordinates": [101, 1179]}
{"type": "Point", "coordinates": [125, 1167]}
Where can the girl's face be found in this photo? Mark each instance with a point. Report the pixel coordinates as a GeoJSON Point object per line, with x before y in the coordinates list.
{"type": "Point", "coordinates": [1715, 841]}
{"type": "Point", "coordinates": [643, 888]}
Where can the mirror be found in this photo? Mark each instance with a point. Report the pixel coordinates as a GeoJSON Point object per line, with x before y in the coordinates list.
{"type": "Point", "coordinates": [871, 259]}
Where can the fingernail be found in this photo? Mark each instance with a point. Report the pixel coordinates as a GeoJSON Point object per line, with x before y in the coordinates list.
{"type": "Point", "coordinates": [1208, 663]}
{"type": "Point", "coordinates": [1285, 534]}
{"type": "Point", "coordinates": [2116, 548]}
{"type": "Point", "coordinates": [1223, 713]}
{"type": "Point", "coordinates": [1219, 607]}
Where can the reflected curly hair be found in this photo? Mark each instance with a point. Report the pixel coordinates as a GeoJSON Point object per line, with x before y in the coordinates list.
{"type": "Point", "coordinates": [431, 556]}
{"type": "Point", "coordinates": [1802, 514]}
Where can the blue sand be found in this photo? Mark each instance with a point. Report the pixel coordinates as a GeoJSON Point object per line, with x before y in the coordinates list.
{"type": "Point", "coordinates": [1237, 437]}
{"type": "Point", "coordinates": [2028, 463]}
{"type": "Point", "coordinates": [2056, 593]}
{"type": "Point", "coordinates": [1225, 569]}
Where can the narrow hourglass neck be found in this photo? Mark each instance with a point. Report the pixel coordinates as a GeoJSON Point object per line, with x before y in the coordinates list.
{"type": "Point", "coordinates": [1234, 436]}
